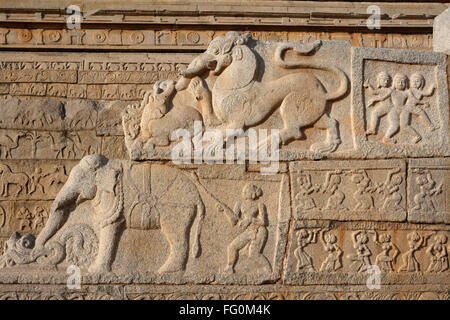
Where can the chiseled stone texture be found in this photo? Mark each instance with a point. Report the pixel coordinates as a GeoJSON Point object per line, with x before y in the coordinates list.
{"type": "Point", "coordinates": [362, 181]}
{"type": "Point", "coordinates": [441, 32]}
{"type": "Point", "coordinates": [407, 115]}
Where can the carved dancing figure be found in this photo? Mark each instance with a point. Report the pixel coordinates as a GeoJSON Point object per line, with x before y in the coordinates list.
{"type": "Point", "coordinates": [305, 201]}
{"type": "Point", "coordinates": [399, 97]}
{"type": "Point", "coordinates": [415, 242]}
{"type": "Point", "coordinates": [364, 201]}
{"type": "Point", "coordinates": [25, 217]}
{"type": "Point", "coordinates": [384, 260]}
{"type": "Point", "coordinates": [360, 261]}
{"type": "Point", "coordinates": [333, 261]}
{"type": "Point", "coordinates": [331, 186]}
{"type": "Point", "coordinates": [304, 238]}
{"type": "Point", "coordinates": [414, 106]}
{"type": "Point", "coordinates": [382, 96]}
{"type": "Point", "coordinates": [424, 200]}
{"type": "Point", "coordinates": [251, 218]}
{"type": "Point", "coordinates": [439, 254]}
{"type": "Point", "coordinates": [391, 188]}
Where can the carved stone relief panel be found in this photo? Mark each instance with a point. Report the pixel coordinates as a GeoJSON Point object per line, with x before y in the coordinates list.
{"type": "Point", "coordinates": [32, 180]}
{"type": "Point", "coordinates": [329, 252]}
{"type": "Point", "coordinates": [349, 190]}
{"type": "Point", "coordinates": [428, 190]}
{"type": "Point", "coordinates": [189, 215]}
{"type": "Point", "coordinates": [399, 103]}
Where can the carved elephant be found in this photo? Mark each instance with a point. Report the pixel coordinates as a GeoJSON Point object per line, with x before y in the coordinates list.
{"type": "Point", "coordinates": [169, 201]}
{"type": "Point", "coordinates": [251, 79]}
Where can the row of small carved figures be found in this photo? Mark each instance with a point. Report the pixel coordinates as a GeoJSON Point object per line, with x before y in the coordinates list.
{"type": "Point", "coordinates": [26, 220]}
{"type": "Point", "coordinates": [65, 145]}
{"type": "Point", "coordinates": [424, 200]}
{"type": "Point", "coordinates": [361, 260]}
{"type": "Point", "coordinates": [32, 183]}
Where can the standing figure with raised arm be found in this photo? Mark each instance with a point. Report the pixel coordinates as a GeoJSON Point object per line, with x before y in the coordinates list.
{"type": "Point", "coordinates": [424, 200]}
{"type": "Point", "coordinates": [414, 106]}
{"type": "Point", "coordinates": [331, 186]}
{"type": "Point", "coordinates": [415, 242]}
{"type": "Point", "coordinates": [364, 201]}
{"type": "Point", "coordinates": [439, 254]}
{"type": "Point", "coordinates": [303, 196]}
{"type": "Point", "coordinates": [384, 260]}
{"type": "Point", "coordinates": [382, 96]}
{"type": "Point", "coordinates": [393, 198]}
{"type": "Point", "coordinates": [251, 218]}
{"type": "Point", "coordinates": [304, 238]}
{"type": "Point", "coordinates": [333, 261]}
{"type": "Point", "coordinates": [360, 261]}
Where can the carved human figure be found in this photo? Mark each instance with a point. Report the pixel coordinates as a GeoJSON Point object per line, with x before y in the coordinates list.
{"type": "Point", "coordinates": [39, 217]}
{"type": "Point", "coordinates": [240, 99]}
{"type": "Point", "coordinates": [384, 260]}
{"type": "Point", "coordinates": [25, 219]}
{"type": "Point", "coordinates": [303, 196]}
{"type": "Point", "coordinates": [391, 189]}
{"type": "Point", "coordinates": [364, 201]}
{"type": "Point", "coordinates": [399, 97]}
{"type": "Point", "coordinates": [331, 187]}
{"type": "Point", "coordinates": [382, 105]}
{"type": "Point", "coordinates": [304, 238]}
{"type": "Point", "coordinates": [35, 183]}
{"type": "Point", "coordinates": [438, 253]}
{"type": "Point", "coordinates": [360, 261]}
{"type": "Point", "coordinates": [414, 106]}
{"type": "Point", "coordinates": [425, 199]}
{"type": "Point", "coordinates": [333, 261]}
{"type": "Point", "coordinates": [251, 219]}
{"type": "Point", "coordinates": [415, 242]}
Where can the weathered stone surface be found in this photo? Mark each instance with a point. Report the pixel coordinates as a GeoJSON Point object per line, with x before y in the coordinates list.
{"type": "Point", "coordinates": [361, 183]}
{"type": "Point", "coordinates": [349, 190]}
{"type": "Point", "coordinates": [399, 103]}
{"type": "Point", "coordinates": [335, 252]}
{"type": "Point", "coordinates": [428, 192]}
{"type": "Point", "coordinates": [441, 32]}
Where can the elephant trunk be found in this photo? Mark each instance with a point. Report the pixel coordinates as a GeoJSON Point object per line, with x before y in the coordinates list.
{"type": "Point", "coordinates": [196, 248]}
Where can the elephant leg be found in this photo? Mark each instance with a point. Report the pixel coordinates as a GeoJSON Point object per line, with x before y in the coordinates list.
{"type": "Point", "coordinates": [176, 224]}
{"type": "Point", "coordinates": [108, 240]}
{"type": "Point", "coordinates": [332, 140]}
